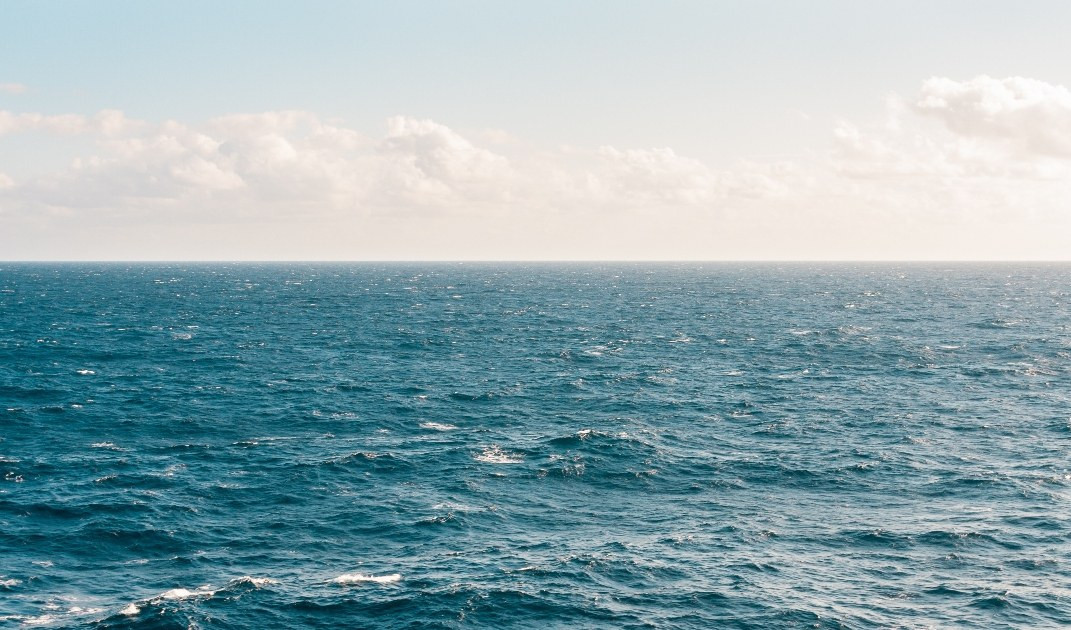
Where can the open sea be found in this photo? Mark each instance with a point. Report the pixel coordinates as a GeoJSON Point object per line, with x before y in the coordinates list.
{"type": "Point", "coordinates": [655, 445]}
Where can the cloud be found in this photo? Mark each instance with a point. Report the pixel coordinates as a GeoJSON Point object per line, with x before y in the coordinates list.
{"type": "Point", "coordinates": [1031, 116]}
{"type": "Point", "coordinates": [437, 152]}
{"type": "Point", "coordinates": [12, 88]}
{"type": "Point", "coordinates": [977, 151]}
{"type": "Point", "coordinates": [1007, 128]}
{"type": "Point", "coordinates": [107, 122]}
{"type": "Point", "coordinates": [268, 163]}
{"type": "Point", "coordinates": [661, 178]}
{"type": "Point", "coordinates": [426, 163]}
{"type": "Point", "coordinates": [296, 162]}
{"type": "Point", "coordinates": [61, 124]}
{"type": "Point", "coordinates": [655, 175]}
{"type": "Point", "coordinates": [233, 163]}
{"type": "Point", "coordinates": [953, 160]}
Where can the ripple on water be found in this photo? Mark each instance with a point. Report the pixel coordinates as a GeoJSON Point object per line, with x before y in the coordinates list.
{"type": "Point", "coordinates": [584, 445]}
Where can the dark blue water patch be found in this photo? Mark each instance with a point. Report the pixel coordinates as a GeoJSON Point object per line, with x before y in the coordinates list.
{"type": "Point", "coordinates": [585, 445]}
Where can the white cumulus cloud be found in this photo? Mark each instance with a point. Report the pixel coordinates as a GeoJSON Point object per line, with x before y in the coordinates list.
{"type": "Point", "coordinates": [1033, 116]}
{"type": "Point", "coordinates": [964, 162]}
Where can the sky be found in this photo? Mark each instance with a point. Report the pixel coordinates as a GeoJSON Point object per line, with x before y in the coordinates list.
{"type": "Point", "coordinates": [550, 130]}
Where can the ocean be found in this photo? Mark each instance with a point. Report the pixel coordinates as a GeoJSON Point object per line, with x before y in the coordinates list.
{"type": "Point", "coordinates": [618, 445]}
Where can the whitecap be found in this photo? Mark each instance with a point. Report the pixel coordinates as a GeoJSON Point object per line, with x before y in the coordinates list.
{"type": "Point", "coordinates": [130, 610]}
{"type": "Point", "coordinates": [357, 578]}
{"type": "Point", "coordinates": [184, 593]}
{"type": "Point", "coordinates": [453, 507]}
{"type": "Point", "coordinates": [495, 455]}
{"type": "Point", "coordinates": [176, 593]}
{"type": "Point", "coordinates": [437, 426]}
{"type": "Point", "coordinates": [9, 582]}
{"type": "Point", "coordinates": [86, 372]}
{"type": "Point", "coordinates": [255, 581]}
{"type": "Point", "coordinates": [78, 610]}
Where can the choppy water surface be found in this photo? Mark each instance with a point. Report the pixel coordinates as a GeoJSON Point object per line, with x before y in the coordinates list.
{"type": "Point", "coordinates": [606, 446]}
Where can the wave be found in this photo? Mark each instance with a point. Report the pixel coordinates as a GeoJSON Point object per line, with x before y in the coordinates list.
{"type": "Point", "coordinates": [495, 455]}
{"type": "Point", "coordinates": [203, 592]}
{"type": "Point", "coordinates": [748, 418]}
{"type": "Point", "coordinates": [437, 426]}
{"type": "Point", "coordinates": [183, 593]}
{"type": "Point", "coordinates": [254, 581]}
{"type": "Point", "coordinates": [358, 578]}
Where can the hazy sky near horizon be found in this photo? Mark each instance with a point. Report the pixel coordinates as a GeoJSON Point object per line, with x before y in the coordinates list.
{"type": "Point", "coordinates": [541, 130]}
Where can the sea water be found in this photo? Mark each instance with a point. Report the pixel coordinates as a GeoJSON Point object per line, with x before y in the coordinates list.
{"type": "Point", "coordinates": [535, 445]}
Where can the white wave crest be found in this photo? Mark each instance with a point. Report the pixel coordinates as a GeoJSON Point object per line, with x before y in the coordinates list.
{"type": "Point", "coordinates": [255, 581]}
{"type": "Point", "coordinates": [357, 578]}
{"type": "Point", "coordinates": [178, 594]}
{"type": "Point", "coordinates": [184, 593]}
{"type": "Point", "coordinates": [437, 426]}
{"type": "Point", "coordinates": [495, 455]}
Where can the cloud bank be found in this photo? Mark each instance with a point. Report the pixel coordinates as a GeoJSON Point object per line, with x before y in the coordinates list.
{"type": "Point", "coordinates": [977, 168]}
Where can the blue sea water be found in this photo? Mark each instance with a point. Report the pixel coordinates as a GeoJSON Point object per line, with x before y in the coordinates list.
{"type": "Point", "coordinates": [535, 445]}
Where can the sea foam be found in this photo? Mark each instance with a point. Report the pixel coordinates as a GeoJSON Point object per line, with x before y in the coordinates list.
{"type": "Point", "coordinates": [495, 455]}
{"type": "Point", "coordinates": [357, 578]}
{"type": "Point", "coordinates": [437, 426]}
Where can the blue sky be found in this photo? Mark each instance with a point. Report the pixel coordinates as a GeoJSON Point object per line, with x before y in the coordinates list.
{"type": "Point", "coordinates": [586, 95]}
